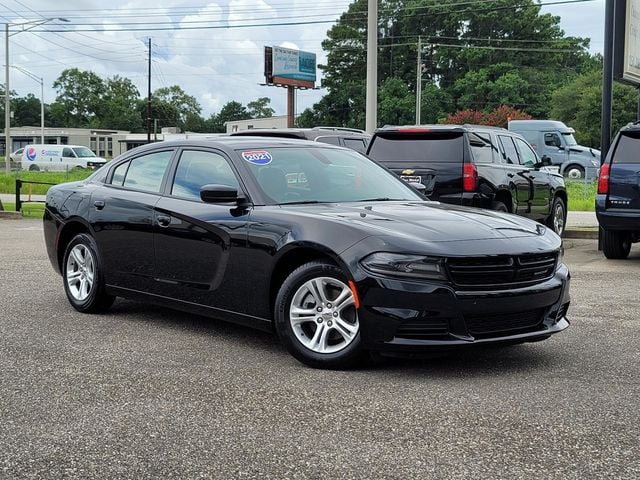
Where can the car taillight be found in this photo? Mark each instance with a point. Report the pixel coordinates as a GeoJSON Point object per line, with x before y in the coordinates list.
{"type": "Point", "coordinates": [603, 178]}
{"type": "Point", "coordinates": [469, 177]}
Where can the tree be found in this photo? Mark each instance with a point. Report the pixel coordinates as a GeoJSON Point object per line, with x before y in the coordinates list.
{"type": "Point", "coordinates": [475, 57]}
{"type": "Point", "coordinates": [182, 103]}
{"type": "Point", "coordinates": [118, 107]}
{"type": "Point", "coordinates": [230, 111]}
{"type": "Point", "coordinates": [579, 104]}
{"type": "Point", "coordinates": [396, 103]}
{"type": "Point", "coordinates": [498, 117]}
{"type": "Point", "coordinates": [260, 108]}
{"type": "Point", "coordinates": [80, 95]}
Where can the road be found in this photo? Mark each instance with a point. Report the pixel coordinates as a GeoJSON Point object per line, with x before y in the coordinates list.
{"type": "Point", "coordinates": [143, 392]}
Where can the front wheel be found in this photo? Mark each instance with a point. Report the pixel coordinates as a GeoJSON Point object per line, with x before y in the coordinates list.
{"type": "Point", "coordinates": [616, 244]}
{"type": "Point", "coordinates": [82, 276]}
{"type": "Point", "coordinates": [316, 317]}
{"type": "Point", "coordinates": [558, 218]}
{"type": "Point", "coordinates": [574, 172]}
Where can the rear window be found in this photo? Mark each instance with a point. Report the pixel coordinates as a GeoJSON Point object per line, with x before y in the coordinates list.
{"type": "Point", "coordinates": [431, 148]}
{"type": "Point", "coordinates": [627, 149]}
{"type": "Point", "coordinates": [481, 147]}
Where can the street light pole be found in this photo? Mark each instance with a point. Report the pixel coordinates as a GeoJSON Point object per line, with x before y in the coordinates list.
{"type": "Point", "coordinates": [7, 95]}
{"type": "Point", "coordinates": [371, 112]}
{"type": "Point", "coordinates": [40, 80]}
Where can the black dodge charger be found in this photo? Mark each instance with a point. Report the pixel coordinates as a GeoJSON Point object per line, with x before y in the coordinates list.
{"type": "Point", "coordinates": [318, 242]}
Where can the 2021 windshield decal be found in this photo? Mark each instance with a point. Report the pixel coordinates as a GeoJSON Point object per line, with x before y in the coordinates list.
{"type": "Point", "coordinates": [257, 157]}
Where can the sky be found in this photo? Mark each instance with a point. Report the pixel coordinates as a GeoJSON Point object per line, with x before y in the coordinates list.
{"type": "Point", "coordinates": [213, 65]}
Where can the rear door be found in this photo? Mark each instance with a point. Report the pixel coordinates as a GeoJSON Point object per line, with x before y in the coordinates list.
{"type": "Point", "coordinates": [433, 158]}
{"type": "Point", "coordinates": [122, 219]}
{"type": "Point", "coordinates": [624, 179]}
{"type": "Point", "coordinates": [517, 175]}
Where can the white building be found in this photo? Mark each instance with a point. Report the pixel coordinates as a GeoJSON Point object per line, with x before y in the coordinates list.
{"type": "Point", "coordinates": [267, 122]}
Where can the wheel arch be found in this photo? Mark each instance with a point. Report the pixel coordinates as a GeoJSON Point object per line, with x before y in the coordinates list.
{"type": "Point", "coordinates": [294, 255]}
{"type": "Point", "coordinates": [71, 228]}
{"type": "Point", "coordinates": [505, 196]}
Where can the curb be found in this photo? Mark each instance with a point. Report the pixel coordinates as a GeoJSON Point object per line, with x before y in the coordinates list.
{"type": "Point", "coordinates": [588, 233]}
{"type": "Point", "coordinates": [10, 215]}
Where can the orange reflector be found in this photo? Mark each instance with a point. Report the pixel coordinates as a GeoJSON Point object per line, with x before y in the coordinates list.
{"type": "Point", "coordinates": [352, 286]}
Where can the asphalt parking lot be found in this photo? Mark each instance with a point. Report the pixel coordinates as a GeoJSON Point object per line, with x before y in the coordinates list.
{"type": "Point", "coordinates": [143, 392]}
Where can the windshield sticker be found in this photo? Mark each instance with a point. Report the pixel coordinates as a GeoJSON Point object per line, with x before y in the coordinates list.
{"type": "Point", "coordinates": [257, 157]}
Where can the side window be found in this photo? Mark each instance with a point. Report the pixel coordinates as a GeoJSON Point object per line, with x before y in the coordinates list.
{"type": "Point", "coordinates": [481, 148]}
{"type": "Point", "coordinates": [552, 140]}
{"type": "Point", "coordinates": [146, 172]}
{"type": "Point", "coordinates": [66, 152]}
{"type": "Point", "coordinates": [510, 154]}
{"type": "Point", "coordinates": [333, 140]}
{"type": "Point", "coordinates": [119, 174]}
{"type": "Point", "coordinates": [528, 157]}
{"type": "Point", "coordinates": [197, 168]}
{"type": "Point", "coordinates": [356, 144]}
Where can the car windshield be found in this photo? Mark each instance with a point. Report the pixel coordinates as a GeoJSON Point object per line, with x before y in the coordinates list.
{"type": "Point", "coordinates": [569, 139]}
{"type": "Point", "coordinates": [289, 175]}
{"type": "Point", "coordinates": [83, 152]}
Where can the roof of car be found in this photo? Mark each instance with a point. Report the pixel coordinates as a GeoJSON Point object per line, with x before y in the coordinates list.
{"type": "Point", "coordinates": [436, 127]}
{"type": "Point", "coordinates": [303, 132]}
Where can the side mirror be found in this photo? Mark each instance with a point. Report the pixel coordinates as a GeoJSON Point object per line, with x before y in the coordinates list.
{"type": "Point", "coordinates": [545, 161]}
{"type": "Point", "coordinates": [219, 194]}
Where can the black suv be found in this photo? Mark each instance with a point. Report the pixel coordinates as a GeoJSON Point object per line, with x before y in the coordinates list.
{"type": "Point", "coordinates": [352, 138]}
{"type": "Point", "coordinates": [618, 198]}
{"type": "Point", "coordinates": [476, 166]}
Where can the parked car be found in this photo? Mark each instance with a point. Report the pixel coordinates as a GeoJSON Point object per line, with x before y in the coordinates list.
{"type": "Point", "coordinates": [59, 157]}
{"type": "Point", "coordinates": [618, 197]}
{"type": "Point", "coordinates": [345, 137]}
{"type": "Point", "coordinates": [17, 155]}
{"type": "Point", "coordinates": [318, 242]}
{"type": "Point", "coordinates": [555, 140]}
{"type": "Point", "coordinates": [475, 166]}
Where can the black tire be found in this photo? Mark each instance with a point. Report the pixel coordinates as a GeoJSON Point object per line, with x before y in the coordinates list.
{"type": "Point", "coordinates": [616, 244]}
{"type": "Point", "coordinates": [499, 207]}
{"type": "Point", "coordinates": [574, 172]}
{"type": "Point", "coordinates": [557, 220]}
{"type": "Point", "coordinates": [97, 299]}
{"type": "Point", "coordinates": [34, 168]}
{"type": "Point", "coordinates": [348, 356]}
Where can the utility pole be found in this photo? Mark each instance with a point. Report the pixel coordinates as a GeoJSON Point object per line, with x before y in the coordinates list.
{"type": "Point", "coordinates": [372, 66]}
{"type": "Point", "coordinates": [149, 96]}
{"type": "Point", "coordinates": [607, 78]}
{"type": "Point", "coordinates": [419, 82]}
{"type": "Point", "coordinates": [7, 105]}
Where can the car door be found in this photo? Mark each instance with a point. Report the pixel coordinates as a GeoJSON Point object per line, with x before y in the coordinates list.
{"type": "Point", "coordinates": [541, 200]}
{"type": "Point", "coordinates": [198, 246]}
{"type": "Point", "coordinates": [553, 148]}
{"type": "Point", "coordinates": [122, 219]}
{"type": "Point", "coordinates": [517, 176]}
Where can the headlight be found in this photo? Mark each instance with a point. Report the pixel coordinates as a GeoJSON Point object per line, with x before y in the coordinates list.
{"type": "Point", "coordinates": [402, 265]}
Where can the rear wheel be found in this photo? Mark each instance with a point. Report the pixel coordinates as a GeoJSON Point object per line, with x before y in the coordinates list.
{"type": "Point", "coordinates": [82, 275]}
{"type": "Point", "coordinates": [316, 318]}
{"type": "Point", "coordinates": [34, 168]}
{"type": "Point", "coordinates": [558, 218]}
{"type": "Point", "coordinates": [616, 244]}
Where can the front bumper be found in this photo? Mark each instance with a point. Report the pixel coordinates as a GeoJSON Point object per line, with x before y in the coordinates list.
{"type": "Point", "coordinates": [402, 316]}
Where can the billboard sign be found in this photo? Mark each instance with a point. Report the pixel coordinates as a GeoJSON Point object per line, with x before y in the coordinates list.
{"type": "Point", "coordinates": [626, 56]}
{"type": "Point", "coordinates": [290, 67]}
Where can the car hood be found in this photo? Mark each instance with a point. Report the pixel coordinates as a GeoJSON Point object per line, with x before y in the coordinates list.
{"type": "Point", "coordinates": [585, 150]}
{"type": "Point", "coordinates": [424, 221]}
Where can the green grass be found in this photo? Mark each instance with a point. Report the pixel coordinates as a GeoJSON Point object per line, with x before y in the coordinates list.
{"type": "Point", "coordinates": [582, 196]}
{"type": "Point", "coordinates": [34, 210]}
{"type": "Point", "coordinates": [8, 182]}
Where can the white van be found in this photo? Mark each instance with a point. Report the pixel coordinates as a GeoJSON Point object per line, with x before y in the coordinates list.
{"type": "Point", "coordinates": [59, 157]}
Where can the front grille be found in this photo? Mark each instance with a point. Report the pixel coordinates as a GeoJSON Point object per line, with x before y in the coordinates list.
{"type": "Point", "coordinates": [423, 329]}
{"type": "Point", "coordinates": [501, 271]}
{"type": "Point", "coordinates": [504, 323]}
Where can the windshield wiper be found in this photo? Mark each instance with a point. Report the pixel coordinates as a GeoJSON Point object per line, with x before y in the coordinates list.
{"type": "Point", "coordinates": [381, 199]}
{"type": "Point", "coordinates": [301, 202]}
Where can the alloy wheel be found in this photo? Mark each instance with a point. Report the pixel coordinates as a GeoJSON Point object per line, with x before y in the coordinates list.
{"type": "Point", "coordinates": [80, 272]}
{"type": "Point", "coordinates": [323, 316]}
{"type": "Point", "coordinates": [558, 218]}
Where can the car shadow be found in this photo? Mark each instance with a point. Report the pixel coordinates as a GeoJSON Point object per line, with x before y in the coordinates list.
{"type": "Point", "coordinates": [465, 362]}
